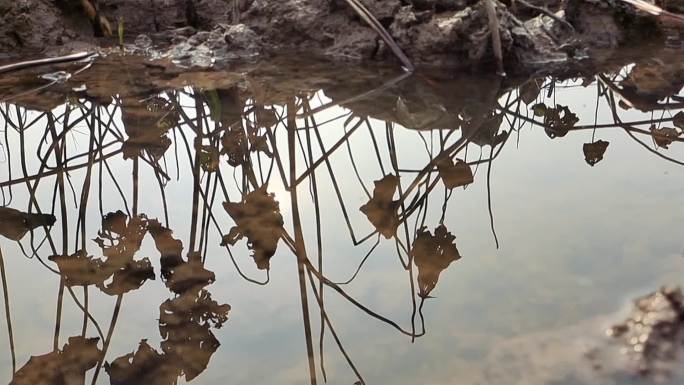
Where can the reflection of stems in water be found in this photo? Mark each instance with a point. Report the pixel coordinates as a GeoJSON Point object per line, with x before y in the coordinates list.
{"type": "Point", "coordinates": [291, 244]}
{"type": "Point", "coordinates": [8, 317]}
{"type": "Point", "coordinates": [85, 311]}
{"type": "Point", "coordinates": [391, 144]}
{"type": "Point", "coordinates": [319, 250]}
{"type": "Point", "coordinates": [611, 102]}
{"type": "Point", "coordinates": [135, 186]}
{"type": "Point", "coordinates": [375, 147]}
{"type": "Point", "coordinates": [65, 228]}
{"type": "Point", "coordinates": [336, 186]}
{"type": "Point", "coordinates": [299, 239]}
{"type": "Point", "coordinates": [85, 191]}
{"type": "Point", "coordinates": [112, 324]}
{"type": "Point", "coordinates": [363, 261]}
{"type": "Point", "coordinates": [489, 198]}
{"type": "Point", "coordinates": [356, 170]}
{"type": "Point", "coordinates": [325, 317]}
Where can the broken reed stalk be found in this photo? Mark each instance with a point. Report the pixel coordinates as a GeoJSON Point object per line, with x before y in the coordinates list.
{"type": "Point", "coordinates": [46, 61]}
{"type": "Point", "coordinates": [368, 17]}
{"type": "Point", "coordinates": [496, 36]}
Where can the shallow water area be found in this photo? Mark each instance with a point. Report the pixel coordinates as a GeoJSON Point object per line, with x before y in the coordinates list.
{"type": "Point", "coordinates": [290, 222]}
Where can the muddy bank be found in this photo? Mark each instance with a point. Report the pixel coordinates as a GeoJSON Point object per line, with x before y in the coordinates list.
{"type": "Point", "coordinates": [430, 32]}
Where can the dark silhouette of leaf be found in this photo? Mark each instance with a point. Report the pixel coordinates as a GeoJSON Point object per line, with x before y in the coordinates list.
{"type": "Point", "coordinates": [170, 248]}
{"type": "Point", "coordinates": [678, 120]}
{"type": "Point", "coordinates": [381, 209]}
{"type": "Point", "coordinates": [593, 152]}
{"type": "Point", "coordinates": [66, 367]}
{"type": "Point", "coordinates": [454, 174]}
{"type": "Point", "coordinates": [530, 90]}
{"type": "Point", "coordinates": [665, 136]}
{"type": "Point", "coordinates": [485, 130]}
{"type": "Point", "coordinates": [131, 277]}
{"type": "Point", "coordinates": [432, 254]}
{"type": "Point", "coordinates": [14, 224]}
{"type": "Point", "coordinates": [144, 367]}
{"type": "Point", "coordinates": [559, 121]}
{"type": "Point", "coordinates": [257, 218]}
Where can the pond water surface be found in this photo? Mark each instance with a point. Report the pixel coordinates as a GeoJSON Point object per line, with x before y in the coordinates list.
{"type": "Point", "coordinates": [291, 225]}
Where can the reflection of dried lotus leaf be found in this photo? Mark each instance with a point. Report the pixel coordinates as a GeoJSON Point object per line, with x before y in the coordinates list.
{"type": "Point", "coordinates": [485, 130]}
{"type": "Point", "coordinates": [184, 323]}
{"type": "Point", "coordinates": [190, 348]}
{"type": "Point", "coordinates": [529, 91]}
{"type": "Point", "coordinates": [188, 275]}
{"type": "Point", "coordinates": [539, 109]}
{"type": "Point", "coordinates": [454, 174]}
{"type": "Point", "coordinates": [120, 240]}
{"type": "Point", "coordinates": [39, 370]}
{"type": "Point", "coordinates": [79, 269]}
{"type": "Point", "coordinates": [233, 144]}
{"type": "Point", "coordinates": [665, 136]}
{"type": "Point", "coordinates": [260, 144]}
{"type": "Point", "coordinates": [593, 152]}
{"type": "Point", "coordinates": [170, 248]}
{"type": "Point", "coordinates": [146, 124]}
{"type": "Point", "coordinates": [209, 158]}
{"type": "Point", "coordinates": [78, 356]}
{"type": "Point", "coordinates": [257, 218]}
{"type": "Point", "coordinates": [193, 306]}
{"type": "Point", "coordinates": [145, 367]}
{"type": "Point", "coordinates": [156, 148]}
{"type": "Point", "coordinates": [14, 224]}
{"type": "Point", "coordinates": [559, 121]}
{"type": "Point", "coordinates": [67, 367]}
{"type": "Point", "coordinates": [131, 277]}
{"type": "Point", "coordinates": [266, 117]}
{"type": "Point", "coordinates": [432, 254]}
{"type": "Point", "coordinates": [381, 209]}
{"type": "Point", "coordinates": [115, 222]}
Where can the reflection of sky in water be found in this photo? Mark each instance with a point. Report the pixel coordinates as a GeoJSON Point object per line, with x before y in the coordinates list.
{"type": "Point", "coordinates": [576, 243]}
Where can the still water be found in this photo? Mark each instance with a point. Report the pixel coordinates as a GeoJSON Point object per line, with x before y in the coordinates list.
{"type": "Point", "coordinates": [301, 224]}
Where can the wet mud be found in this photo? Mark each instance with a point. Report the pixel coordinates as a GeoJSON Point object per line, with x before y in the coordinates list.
{"type": "Point", "coordinates": [431, 32]}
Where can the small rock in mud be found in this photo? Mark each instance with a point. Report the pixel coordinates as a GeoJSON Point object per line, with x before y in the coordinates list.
{"type": "Point", "coordinates": [654, 330]}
